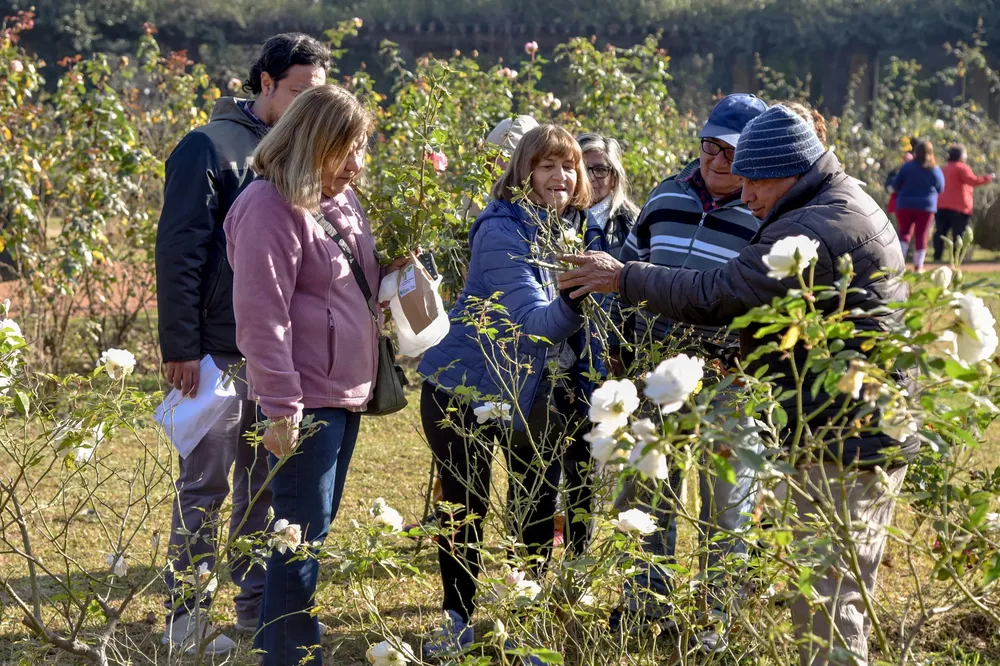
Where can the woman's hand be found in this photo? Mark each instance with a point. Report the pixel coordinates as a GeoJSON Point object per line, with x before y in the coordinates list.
{"type": "Point", "coordinates": [597, 272]}
{"type": "Point", "coordinates": [402, 260]}
{"type": "Point", "coordinates": [281, 437]}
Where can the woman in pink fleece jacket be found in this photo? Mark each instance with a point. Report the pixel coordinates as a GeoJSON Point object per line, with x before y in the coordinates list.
{"type": "Point", "coordinates": [309, 338]}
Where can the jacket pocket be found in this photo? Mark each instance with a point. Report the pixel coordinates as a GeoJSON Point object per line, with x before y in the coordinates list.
{"type": "Point", "coordinates": [221, 285]}
{"type": "Point", "coordinates": [331, 341]}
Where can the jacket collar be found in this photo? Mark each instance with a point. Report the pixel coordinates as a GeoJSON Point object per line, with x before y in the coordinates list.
{"type": "Point", "coordinates": [826, 170]}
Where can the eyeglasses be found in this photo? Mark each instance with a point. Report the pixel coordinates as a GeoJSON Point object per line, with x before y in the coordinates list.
{"type": "Point", "coordinates": [712, 148]}
{"type": "Point", "coordinates": [599, 172]}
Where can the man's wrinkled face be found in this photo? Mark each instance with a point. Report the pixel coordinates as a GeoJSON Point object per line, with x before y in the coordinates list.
{"type": "Point", "coordinates": [760, 196]}
{"type": "Point", "coordinates": [716, 161]}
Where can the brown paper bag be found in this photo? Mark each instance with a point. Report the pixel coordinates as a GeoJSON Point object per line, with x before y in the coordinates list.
{"type": "Point", "coordinates": [416, 295]}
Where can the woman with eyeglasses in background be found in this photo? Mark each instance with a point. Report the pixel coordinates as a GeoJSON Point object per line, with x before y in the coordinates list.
{"type": "Point", "coordinates": [611, 202]}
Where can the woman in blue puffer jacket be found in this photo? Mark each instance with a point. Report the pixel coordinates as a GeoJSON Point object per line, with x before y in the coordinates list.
{"type": "Point", "coordinates": [525, 385]}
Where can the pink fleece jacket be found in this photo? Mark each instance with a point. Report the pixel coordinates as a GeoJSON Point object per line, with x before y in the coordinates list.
{"type": "Point", "coordinates": [301, 320]}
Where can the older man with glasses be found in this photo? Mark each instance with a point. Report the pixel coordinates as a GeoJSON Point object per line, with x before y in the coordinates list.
{"type": "Point", "coordinates": [695, 219]}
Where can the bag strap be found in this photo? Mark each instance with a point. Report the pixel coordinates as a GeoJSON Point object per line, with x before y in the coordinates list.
{"type": "Point", "coordinates": [345, 249]}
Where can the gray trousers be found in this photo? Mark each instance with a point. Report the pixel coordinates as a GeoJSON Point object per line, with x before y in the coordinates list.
{"type": "Point", "coordinates": [859, 500]}
{"type": "Point", "coordinates": [724, 516]}
{"type": "Point", "coordinates": [202, 488]}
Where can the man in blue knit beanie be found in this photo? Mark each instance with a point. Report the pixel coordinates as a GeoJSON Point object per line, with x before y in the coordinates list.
{"type": "Point", "coordinates": [775, 149]}
{"type": "Point", "coordinates": [797, 189]}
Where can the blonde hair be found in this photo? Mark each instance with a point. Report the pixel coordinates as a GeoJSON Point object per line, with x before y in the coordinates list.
{"type": "Point", "coordinates": [323, 123]}
{"type": "Point", "coordinates": [621, 189]}
{"type": "Point", "coordinates": [545, 141]}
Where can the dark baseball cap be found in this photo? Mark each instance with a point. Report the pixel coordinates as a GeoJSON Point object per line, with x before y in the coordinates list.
{"type": "Point", "coordinates": [730, 116]}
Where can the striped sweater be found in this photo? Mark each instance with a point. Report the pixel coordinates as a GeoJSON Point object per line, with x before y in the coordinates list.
{"type": "Point", "coordinates": [674, 230]}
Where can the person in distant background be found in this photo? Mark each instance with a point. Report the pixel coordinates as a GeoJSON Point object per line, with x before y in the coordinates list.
{"type": "Point", "coordinates": [918, 185]}
{"type": "Point", "coordinates": [205, 174]}
{"type": "Point", "coordinates": [505, 136]}
{"type": "Point", "coordinates": [891, 206]}
{"type": "Point", "coordinates": [956, 202]}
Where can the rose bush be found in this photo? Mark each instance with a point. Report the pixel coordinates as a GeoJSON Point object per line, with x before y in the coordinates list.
{"type": "Point", "coordinates": [80, 177]}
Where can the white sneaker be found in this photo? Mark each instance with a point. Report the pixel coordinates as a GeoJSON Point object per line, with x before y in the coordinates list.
{"type": "Point", "coordinates": [183, 633]}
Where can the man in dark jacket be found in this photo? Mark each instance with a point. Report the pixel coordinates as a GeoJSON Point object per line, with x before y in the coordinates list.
{"type": "Point", "coordinates": [205, 174]}
{"type": "Point", "coordinates": [797, 189]}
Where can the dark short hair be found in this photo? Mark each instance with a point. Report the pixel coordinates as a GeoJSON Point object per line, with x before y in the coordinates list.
{"type": "Point", "coordinates": [956, 152]}
{"type": "Point", "coordinates": [282, 52]}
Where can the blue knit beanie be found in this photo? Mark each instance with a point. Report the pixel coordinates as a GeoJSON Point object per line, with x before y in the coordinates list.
{"type": "Point", "coordinates": [776, 144]}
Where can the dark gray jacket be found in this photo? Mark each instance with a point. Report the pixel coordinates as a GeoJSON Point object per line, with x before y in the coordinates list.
{"type": "Point", "coordinates": [825, 205]}
{"type": "Point", "coordinates": [204, 174]}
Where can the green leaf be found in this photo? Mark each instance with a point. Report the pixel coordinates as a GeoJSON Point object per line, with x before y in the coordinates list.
{"type": "Point", "coordinates": [723, 469]}
{"type": "Point", "coordinates": [783, 537]}
{"type": "Point", "coordinates": [978, 516]}
{"type": "Point", "coordinates": [993, 572]}
{"type": "Point", "coordinates": [22, 402]}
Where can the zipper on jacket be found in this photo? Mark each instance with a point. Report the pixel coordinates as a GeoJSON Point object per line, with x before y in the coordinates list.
{"type": "Point", "coordinates": [215, 289]}
{"type": "Point", "coordinates": [701, 223]}
{"type": "Point", "coordinates": [329, 341]}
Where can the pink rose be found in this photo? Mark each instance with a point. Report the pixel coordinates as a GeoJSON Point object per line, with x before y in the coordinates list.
{"type": "Point", "coordinates": [531, 48]}
{"type": "Point", "coordinates": [235, 84]}
{"type": "Point", "coordinates": [438, 160]}
{"type": "Point", "coordinates": [16, 66]}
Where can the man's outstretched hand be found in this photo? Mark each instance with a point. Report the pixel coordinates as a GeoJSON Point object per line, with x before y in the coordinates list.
{"type": "Point", "coordinates": [596, 273]}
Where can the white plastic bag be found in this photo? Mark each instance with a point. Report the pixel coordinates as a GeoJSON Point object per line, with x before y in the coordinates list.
{"type": "Point", "coordinates": [409, 343]}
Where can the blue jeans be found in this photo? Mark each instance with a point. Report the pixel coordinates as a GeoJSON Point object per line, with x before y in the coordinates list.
{"type": "Point", "coordinates": [724, 507]}
{"type": "Point", "coordinates": [306, 490]}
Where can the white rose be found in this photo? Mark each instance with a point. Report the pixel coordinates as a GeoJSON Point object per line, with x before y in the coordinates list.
{"type": "Point", "coordinates": [939, 124]}
{"type": "Point", "coordinates": [527, 589]}
{"type": "Point", "coordinates": [385, 654]}
{"type": "Point", "coordinates": [852, 381]}
{"type": "Point", "coordinates": [383, 514]}
{"type": "Point", "coordinates": [287, 536]}
{"type": "Point", "coordinates": [644, 430]}
{"type": "Point", "coordinates": [118, 565]}
{"type": "Point", "coordinates": [118, 363]}
{"type": "Point", "coordinates": [570, 237]}
{"type": "Point", "coordinates": [978, 346]}
{"type": "Point", "coordinates": [492, 411]}
{"type": "Point", "coordinates": [652, 464]}
{"type": "Point", "coordinates": [11, 329]}
{"type": "Point", "coordinates": [673, 381]}
{"type": "Point", "coordinates": [513, 577]}
{"type": "Point", "coordinates": [946, 346]}
{"type": "Point", "coordinates": [942, 277]}
{"type": "Point", "coordinates": [790, 256]}
{"type": "Point", "coordinates": [978, 338]}
{"type": "Point", "coordinates": [899, 425]}
{"type": "Point", "coordinates": [605, 444]}
{"type": "Point", "coordinates": [634, 521]}
{"type": "Point", "coordinates": [613, 403]}
{"type": "Point", "coordinates": [202, 578]}
{"type": "Point", "coordinates": [992, 522]}
{"type": "Point", "coordinates": [85, 450]}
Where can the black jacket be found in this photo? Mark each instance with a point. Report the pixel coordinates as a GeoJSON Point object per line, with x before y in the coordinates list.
{"type": "Point", "coordinates": [204, 174]}
{"type": "Point", "coordinates": [825, 205]}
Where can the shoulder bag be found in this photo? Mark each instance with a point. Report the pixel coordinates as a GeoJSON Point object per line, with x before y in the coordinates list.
{"type": "Point", "coordinates": [388, 396]}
